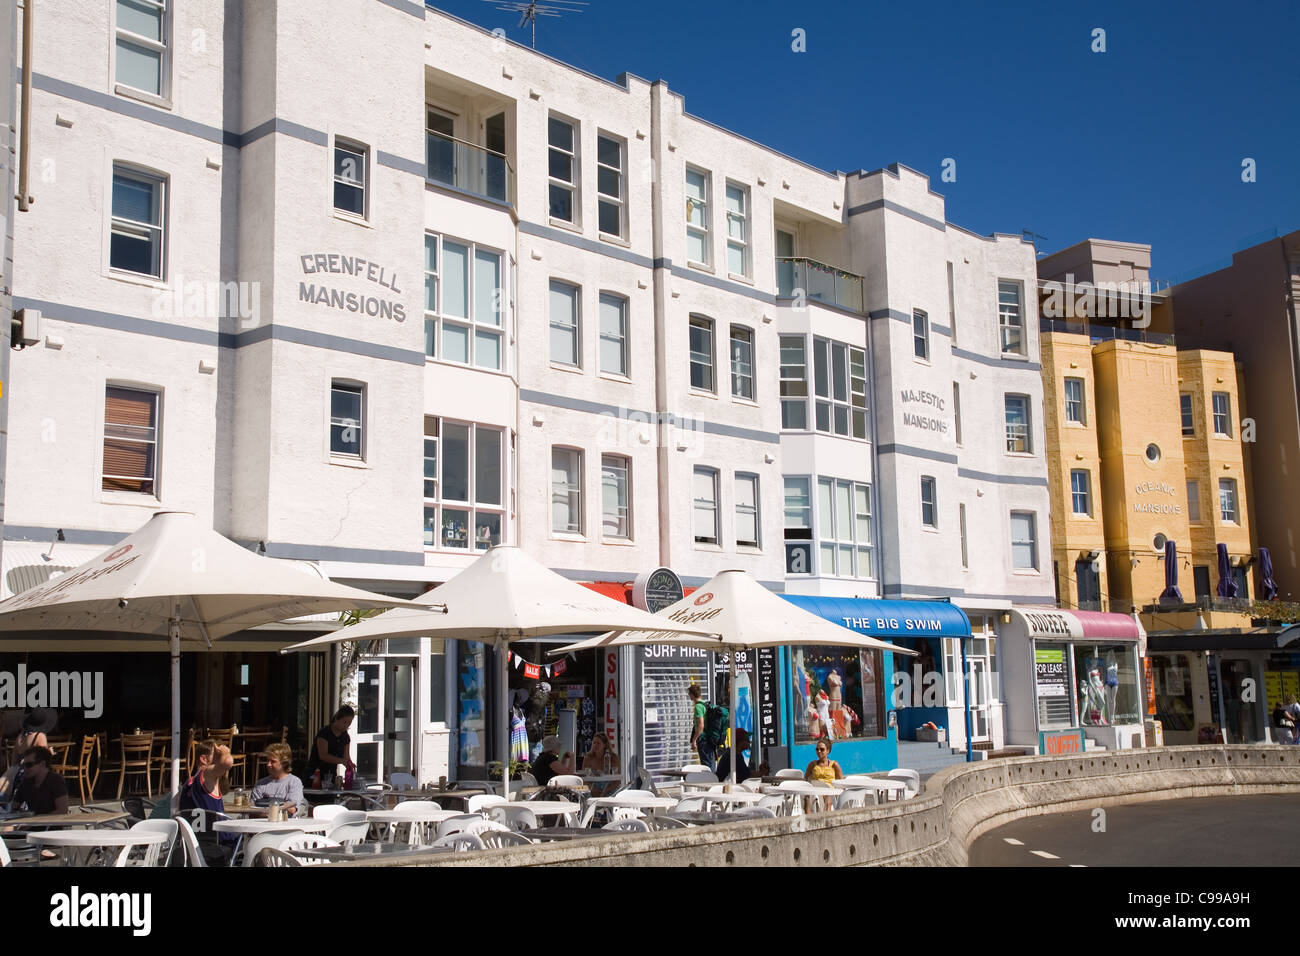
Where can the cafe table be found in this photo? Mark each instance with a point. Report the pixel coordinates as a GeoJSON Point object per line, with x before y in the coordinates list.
{"type": "Point", "coordinates": [632, 801]}
{"type": "Point", "coordinates": [737, 797]}
{"type": "Point", "coordinates": [881, 786]}
{"type": "Point", "coordinates": [367, 851]}
{"type": "Point", "coordinates": [66, 820]}
{"type": "Point", "coordinates": [550, 808]}
{"type": "Point", "coordinates": [801, 788]}
{"type": "Point", "coordinates": [76, 847]}
{"type": "Point", "coordinates": [249, 827]}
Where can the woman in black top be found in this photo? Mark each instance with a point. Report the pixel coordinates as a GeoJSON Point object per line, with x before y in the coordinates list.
{"type": "Point", "coordinates": [329, 752]}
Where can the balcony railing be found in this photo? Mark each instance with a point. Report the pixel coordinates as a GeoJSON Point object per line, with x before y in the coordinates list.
{"type": "Point", "coordinates": [1104, 333]}
{"type": "Point", "coordinates": [472, 169]}
{"type": "Point", "coordinates": [819, 283]}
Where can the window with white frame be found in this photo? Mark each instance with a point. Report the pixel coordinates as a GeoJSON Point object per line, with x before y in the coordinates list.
{"type": "Point", "coordinates": [347, 419]}
{"type": "Point", "coordinates": [705, 515]}
{"type": "Point", "coordinates": [701, 353]}
{"type": "Point", "coordinates": [131, 440]}
{"type": "Point", "coordinates": [929, 502]}
{"type": "Point", "coordinates": [1018, 424]}
{"type": "Point", "coordinates": [742, 362]}
{"type": "Point", "coordinates": [464, 485]}
{"type": "Point", "coordinates": [350, 177]}
{"type": "Point", "coordinates": [1075, 408]}
{"type": "Point", "coordinates": [138, 226]}
{"type": "Point", "coordinates": [921, 335]}
{"type": "Point", "coordinates": [798, 524]}
{"type": "Point", "coordinates": [1228, 500]}
{"type": "Point", "coordinates": [1188, 417]}
{"type": "Point", "coordinates": [794, 383]}
{"type": "Point", "coordinates": [141, 46]}
{"type": "Point", "coordinates": [464, 299]}
{"type": "Point", "coordinates": [430, 295]}
{"type": "Point", "coordinates": [1222, 415]}
{"type": "Point", "coordinates": [562, 168]}
{"type": "Point", "coordinates": [747, 518]}
{"type": "Point", "coordinates": [1194, 502]}
{"type": "Point", "coordinates": [1081, 493]}
{"type": "Point", "coordinates": [698, 242]}
{"type": "Point", "coordinates": [844, 528]}
{"type": "Point", "coordinates": [615, 497]}
{"type": "Point", "coordinates": [840, 386]}
{"type": "Point", "coordinates": [566, 319]}
{"type": "Point", "coordinates": [566, 490]}
{"type": "Point", "coordinates": [1011, 318]}
{"type": "Point", "coordinates": [1024, 541]}
{"type": "Point", "coordinates": [611, 169]}
{"type": "Point", "coordinates": [738, 229]}
{"type": "Point", "coordinates": [613, 334]}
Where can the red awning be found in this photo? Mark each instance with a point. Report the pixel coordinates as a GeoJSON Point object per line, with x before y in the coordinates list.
{"type": "Point", "coordinates": [619, 592]}
{"type": "Point", "coordinates": [1099, 625]}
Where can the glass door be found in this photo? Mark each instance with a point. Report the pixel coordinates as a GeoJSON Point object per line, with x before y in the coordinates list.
{"type": "Point", "coordinates": [784, 262]}
{"type": "Point", "coordinates": [979, 691]}
{"type": "Point", "coordinates": [367, 731]}
{"type": "Point", "coordinates": [399, 684]}
{"type": "Point", "coordinates": [494, 160]}
{"type": "Point", "coordinates": [440, 134]}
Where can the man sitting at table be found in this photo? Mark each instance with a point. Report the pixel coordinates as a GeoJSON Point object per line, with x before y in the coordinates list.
{"type": "Point", "coordinates": [549, 762]}
{"type": "Point", "coordinates": [202, 803]}
{"type": "Point", "coordinates": [42, 790]}
{"type": "Point", "coordinates": [724, 759]}
{"type": "Point", "coordinates": [279, 785]}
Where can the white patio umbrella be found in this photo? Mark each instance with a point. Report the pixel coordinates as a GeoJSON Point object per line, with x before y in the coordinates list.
{"type": "Point", "coordinates": [507, 596]}
{"type": "Point", "coordinates": [175, 580]}
{"type": "Point", "coordinates": [745, 615]}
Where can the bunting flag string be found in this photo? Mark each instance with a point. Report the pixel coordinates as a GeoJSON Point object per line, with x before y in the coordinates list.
{"type": "Point", "coordinates": [534, 671]}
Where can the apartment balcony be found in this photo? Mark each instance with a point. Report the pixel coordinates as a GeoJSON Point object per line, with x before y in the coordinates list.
{"type": "Point", "coordinates": [468, 168]}
{"type": "Point", "coordinates": [818, 282]}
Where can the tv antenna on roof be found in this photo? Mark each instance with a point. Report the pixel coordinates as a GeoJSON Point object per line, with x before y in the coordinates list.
{"type": "Point", "coordinates": [530, 10]}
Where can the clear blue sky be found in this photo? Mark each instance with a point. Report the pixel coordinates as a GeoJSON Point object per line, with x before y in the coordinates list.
{"type": "Point", "coordinates": [1142, 143]}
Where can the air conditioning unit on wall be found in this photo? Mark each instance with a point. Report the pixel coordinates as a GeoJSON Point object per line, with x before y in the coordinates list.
{"type": "Point", "coordinates": [26, 329]}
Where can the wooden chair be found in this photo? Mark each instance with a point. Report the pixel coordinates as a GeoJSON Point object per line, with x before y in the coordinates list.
{"type": "Point", "coordinates": [88, 756]}
{"type": "Point", "coordinates": [137, 751]}
{"type": "Point", "coordinates": [161, 760]}
{"type": "Point", "coordinates": [62, 763]}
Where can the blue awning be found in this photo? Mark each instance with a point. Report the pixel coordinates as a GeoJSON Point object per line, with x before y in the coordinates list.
{"type": "Point", "coordinates": [891, 620]}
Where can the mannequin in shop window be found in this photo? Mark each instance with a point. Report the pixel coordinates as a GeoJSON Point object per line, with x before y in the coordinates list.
{"type": "Point", "coordinates": [535, 715]}
{"type": "Point", "coordinates": [518, 728]}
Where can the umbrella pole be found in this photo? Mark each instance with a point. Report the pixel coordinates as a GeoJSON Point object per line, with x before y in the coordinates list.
{"type": "Point", "coordinates": [735, 749]}
{"type": "Point", "coordinates": [174, 640]}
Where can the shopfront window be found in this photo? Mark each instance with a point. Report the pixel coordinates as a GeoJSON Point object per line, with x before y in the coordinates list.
{"type": "Point", "coordinates": [1107, 685]}
{"type": "Point", "coordinates": [1172, 677]}
{"type": "Point", "coordinates": [839, 694]}
{"type": "Point", "coordinates": [471, 679]}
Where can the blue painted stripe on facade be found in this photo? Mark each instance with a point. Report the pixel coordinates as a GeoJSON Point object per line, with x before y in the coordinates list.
{"type": "Point", "coordinates": [286, 127]}
{"type": "Point", "coordinates": [316, 552]}
{"type": "Point", "coordinates": [400, 163]}
{"type": "Point", "coordinates": [724, 285]}
{"type": "Point", "coordinates": [1030, 480]}
{"type": "Point", "coordinates": [587, 245]}
{"type": "Point", "coordinates": [136, 110]}
{"type": "Point", "coordinates": [1016, 364]}
{"type": "Point", "coordinates": [14, 532]}
{"type": "Point", "coordinates": [914, 452]}
{"type": "Point", "coordinates": [118, 323]}
{"type": "Point", "coordinates": [320, 340]}
{"type": "Point", "coordinates": [901, 210]}
{"type": "Point", "coordinates": [664, 418]}
{"type": "Point", "coordinates": [406, 6]}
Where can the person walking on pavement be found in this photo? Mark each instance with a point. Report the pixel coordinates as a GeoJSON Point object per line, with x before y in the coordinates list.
{"type": "Point", "coordinates": [701, 741]}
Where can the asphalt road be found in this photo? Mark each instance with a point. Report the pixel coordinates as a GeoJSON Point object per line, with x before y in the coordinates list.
{"type": "Point", "coordinates": [1211, 831]}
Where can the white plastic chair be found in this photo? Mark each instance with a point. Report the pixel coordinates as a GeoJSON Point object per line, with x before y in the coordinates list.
{"type": "Point", "coordinates": [270, 856]}
{"type": "Point", "coordinates": [566, 780]}
{"type": "Point", "coordinates": [305, 841]}
{"type": "Point", "coordinates": [753, 784]}
{"type": "Point", "coordinates": [349, 828]}
{"type": "Point", "coordinates": [456, 824]}
{"type": "Point", "coordinates": [854, 798]}
{"type": "Point", "coordinates": [691, 804]}
{"type": "Point", "coordinates": [633, 826]}
{"type": "Point", "coordinates": [756, 812]}
{"type": "Point", "coordinates": [329, 811]}
{"type": "Point", "coordinates": [498, 839]}
{"type": "Point", "coordinates": [776, 803]}
{"type": "Point", "coordinates": [700, 776]}
{"type": "Point", "coordinates": [625, 813]}
{"type": "Point", "coordinates": [403, 781]}
{"type": "Point", "coordinates": [516, 817]}
{"type": "Point", "coordinates": [460, 842]}
{"type": "Point", "coordinates": [485, 826]}
{"type": "Point", "coordinates": [909, 777]}
{"type": "Point", "coordinates": [483, 801]}
{"type": "Point", "coordinates": [4, 854]}
{"type": "Point", "coordinates": [258, 842]}
{"type": "Point", "coordinates": [417, 832]}
{"type": "Point", "coordinates": [789, 773]}
{"type": "Point", "coordinates": [661, 822]}
{"type": "Point", "coordinates": [190, 843]}
{"type": "Point", "coordinates": [694, 768]}
{"type": "Point", "coordinates": [151, 855]}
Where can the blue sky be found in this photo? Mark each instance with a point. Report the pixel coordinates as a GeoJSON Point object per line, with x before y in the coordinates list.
{"type": "Point", "coordinates": [1142, 143]}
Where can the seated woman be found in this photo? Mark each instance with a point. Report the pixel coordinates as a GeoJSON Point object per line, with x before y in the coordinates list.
{"type": "Point", "coordinates": [549, 762]}
{"type": "Point", "coordinates": [279, 785]}
{"type": "Point", "coordinates": [598, 754]}
{"type": "Point", "coordinates": [823, 770]}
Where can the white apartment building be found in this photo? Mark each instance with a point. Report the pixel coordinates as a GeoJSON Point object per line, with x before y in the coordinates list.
{"type": "Point", "coordinates": [378, 320]}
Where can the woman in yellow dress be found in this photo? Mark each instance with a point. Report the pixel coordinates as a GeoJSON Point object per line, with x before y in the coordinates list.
{"type": "Point", "coordinates": [823, 769]}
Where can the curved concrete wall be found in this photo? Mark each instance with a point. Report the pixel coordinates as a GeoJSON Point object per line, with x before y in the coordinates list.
{"type": "Point", "coordinates": [937, 828]}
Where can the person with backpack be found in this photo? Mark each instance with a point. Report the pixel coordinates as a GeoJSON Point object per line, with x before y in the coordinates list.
{"type": "Point", "coordinates": [708, 726]}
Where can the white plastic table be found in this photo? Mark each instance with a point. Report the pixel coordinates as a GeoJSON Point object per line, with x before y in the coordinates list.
{"type": "Point", "coordinates": [891, 789]}
{"type": "Point", "coordinates": [250, 826]}
{"type": "Point", "coordinates": [420, 813]}
{"type": "Point", "coordinates": [624, 800]}
{"type": "Point", "coordinates": [549, 808]}
{"type": "Point", "coordinates": [76, 846]}
{"type": "Point", "coordinates": [737, 797]}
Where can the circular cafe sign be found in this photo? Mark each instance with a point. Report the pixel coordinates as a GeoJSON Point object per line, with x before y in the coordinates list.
{"type": "Point", "coordinates": [655, 590]}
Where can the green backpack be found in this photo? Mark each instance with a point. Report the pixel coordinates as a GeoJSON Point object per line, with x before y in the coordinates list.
{"type": "Point", "coordinates": [716, 721]}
